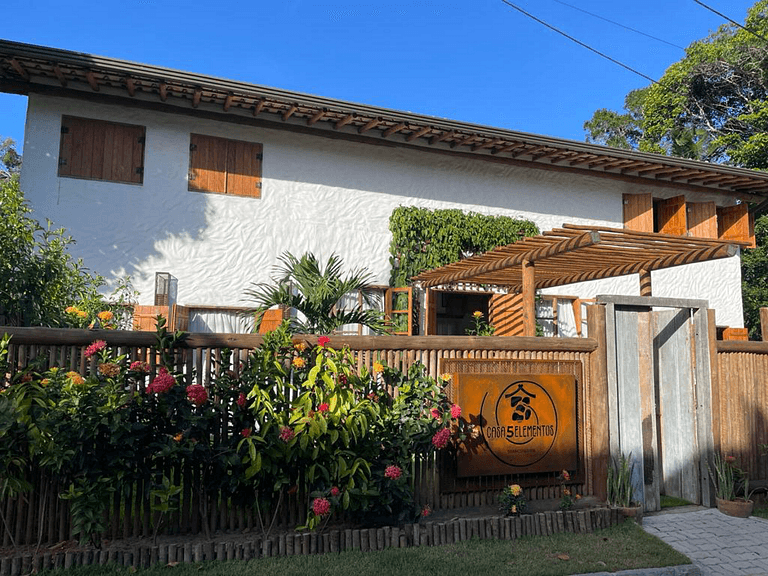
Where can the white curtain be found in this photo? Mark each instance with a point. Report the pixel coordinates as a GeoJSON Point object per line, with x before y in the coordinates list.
{"type": "Point", "coordinates": [220, 321]}
{"type": "Point", "coordinates": [566, 320]}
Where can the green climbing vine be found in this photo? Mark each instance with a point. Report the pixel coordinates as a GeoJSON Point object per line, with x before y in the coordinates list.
{"type": "Point", "coordinates": [423, 239]}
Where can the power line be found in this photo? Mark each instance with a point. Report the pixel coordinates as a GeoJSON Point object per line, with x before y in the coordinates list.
{"type": "Point", "coordinates": [763, 38]}
{"type": "Point", "coordinates": [619, 24]}
{"type": "Point", "coordinates": [582, 44]}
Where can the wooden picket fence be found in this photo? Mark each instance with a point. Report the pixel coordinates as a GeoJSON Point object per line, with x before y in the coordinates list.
{"type": "Point", "coordinates": [42, 516]}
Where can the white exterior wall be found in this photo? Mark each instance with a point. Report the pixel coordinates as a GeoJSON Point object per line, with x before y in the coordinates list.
{"type": "Point", "coordinates": [318, 194]}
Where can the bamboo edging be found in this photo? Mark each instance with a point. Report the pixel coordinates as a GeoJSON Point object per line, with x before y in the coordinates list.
{"type": "Point", "coordinates": [330, 542]}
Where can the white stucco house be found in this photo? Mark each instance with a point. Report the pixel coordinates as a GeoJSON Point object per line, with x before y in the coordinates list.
{"type": "Point", "coordinates": [208, 180]}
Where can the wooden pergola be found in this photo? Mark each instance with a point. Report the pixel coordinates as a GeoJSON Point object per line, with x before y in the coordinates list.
{"type": "Point", "coordinates": [576, 254]}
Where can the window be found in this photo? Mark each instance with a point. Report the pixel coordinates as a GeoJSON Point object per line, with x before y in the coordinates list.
{"type": "Point", "coordinates": [99, 150]}
{"type": "Point", "coordinates": [224, 166]}
{"type": "Point", "coordinates": [642, 213]}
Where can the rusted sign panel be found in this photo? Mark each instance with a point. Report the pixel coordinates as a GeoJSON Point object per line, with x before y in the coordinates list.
{"type": "Point", "coordinates": [520, 423]}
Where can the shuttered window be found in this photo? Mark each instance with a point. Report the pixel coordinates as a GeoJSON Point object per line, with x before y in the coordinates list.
{"type": "Point", "coordinates": [638, 212]}
{"type": "Point", "coordinates": [224, 166]}
{"type": "Point", "coordinates": [736, 223]}
{"type": "Point", "coordinates": [671, 216]}
{"type": "Point", "coordinates": [99, 150]}
{"type": "Point", "coordinates": [702, 219]}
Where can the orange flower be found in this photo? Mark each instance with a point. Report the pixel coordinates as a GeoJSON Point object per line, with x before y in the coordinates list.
{"type": "Point", "coordinates": [299, 362]}
{"type": "Point", "coordinates": [378, 367]}
{"type": "Point", "coordinates": [105, 315]}
{"type": "Point", "coordinates": [179, 437]}
{"type": "Point", "coordinates": [300, 346]}
{"type": "Point", "coordinates": [75, 378]}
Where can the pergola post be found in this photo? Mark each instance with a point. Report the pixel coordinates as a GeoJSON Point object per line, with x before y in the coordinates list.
{"type": "Point", "coordinates": [529, 298]}
{"type": "Point", "coordinates": [645, 283]}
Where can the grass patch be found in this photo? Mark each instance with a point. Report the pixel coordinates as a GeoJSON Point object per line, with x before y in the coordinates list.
{"type": "Point", "coordinates": [761, 511]}
{"type": "Point", "coordinates": [672, 502]}
{"type": "Point", "coordinates": [621, 547]}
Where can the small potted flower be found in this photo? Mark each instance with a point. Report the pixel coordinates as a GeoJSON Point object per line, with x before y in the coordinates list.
{"type": "Point", "coordinates": [726, 478]}
{"type": "Point", "coordinates": [512, 500]}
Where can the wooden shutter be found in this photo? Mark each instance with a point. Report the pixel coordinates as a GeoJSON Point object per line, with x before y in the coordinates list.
{"type": "Point", "coordinates": [99, 150]}
{"type": "Point", "coordinates": [224, 166]}
{"type": "Point", "coordinates": [391, 311]}
{"type": "Point", "coordinates": [179, 318]}
{"type": "Point", "coordinates": [430, 304]}
{"type": "Point", "coordinates": [702, 219]}
{"type": "Point", "coordinates": [638, 212]}
{"type": "Point", "coordinates": [671, 215]}
{"type": "Point", "coordinates": [145, 317]}
{"type": "Point", "coordinates": [505, 313]}
{"type": "Point", "coordinates": [271, 320]}
{"type": "Point", "coordinates": [736, 223]}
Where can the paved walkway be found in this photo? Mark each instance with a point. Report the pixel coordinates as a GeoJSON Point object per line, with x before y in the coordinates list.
{"type": "Point", "coordinates": [716, 543]}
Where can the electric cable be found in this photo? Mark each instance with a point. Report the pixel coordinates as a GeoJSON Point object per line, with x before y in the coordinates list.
{"type": "Point", "coordinates": [763, 38]}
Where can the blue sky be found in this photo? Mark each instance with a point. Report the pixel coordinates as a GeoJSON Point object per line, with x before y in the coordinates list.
{"type": "Point", "coordinates": [476, 61]}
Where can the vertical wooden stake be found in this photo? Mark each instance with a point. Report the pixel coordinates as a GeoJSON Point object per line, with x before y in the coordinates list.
{"type": "Point", "coordinates": [529, 298]}
{"type": "Point", "coordinates": [645, 283]}
{"type": "Point", "coordinates": [764, 323]}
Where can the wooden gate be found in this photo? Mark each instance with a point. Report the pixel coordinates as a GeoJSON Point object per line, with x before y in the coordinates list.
{"type": "Point", "coordinates": [660, 395]}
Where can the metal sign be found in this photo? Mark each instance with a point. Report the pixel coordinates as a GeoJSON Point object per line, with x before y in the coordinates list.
{"type": "Point", "coordinates": [520, 423]}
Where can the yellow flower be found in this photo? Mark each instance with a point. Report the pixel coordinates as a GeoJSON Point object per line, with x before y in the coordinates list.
{"type": "Point", "coordinates": [446, 377]}
{"type": "Point", "coordinates": [45, 382]}
{"type": "Point", "coordinates": [179, 436]}
{"type": "Point", "coordinates": [299, 362]}
{"type": "Point", "coordinates": [516, 489]}
{"type": "Point", "coordinates": [477, 314]}
{"type": "Point", "coordinates": [378, 367]}
{"type": "Point", "coordinates": [105, 316]}
{"type": "Point", "coordinates": [71, 310]}
{"type": "Point", "coordinates": [75, 378]}
{"type": "Point", "coordinates": [300, 346]}
{"type": "Point", "coordinates": [81, 313]}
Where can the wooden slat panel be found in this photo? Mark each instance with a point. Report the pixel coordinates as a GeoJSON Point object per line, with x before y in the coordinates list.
{"type": "Point", "coordinates": [108, 156]}
{"type": "Point", "coordinates": [208, 164]}
{"type": "Point", "coordinates": [505, 313]}
{"type": "Point", "coordinates": [702, 219]}
{"type": "Point", "coordinates": [735, 334]}
{"type": "Point", "coordinates": [271, 320]}
{"type": "Point", "coordinates": [97, 154]}
{"type": "Point", "coordinates": [638, 212]}
{"type": "Point", "coordinates": [736, 224]}
{"type": "Point", "coordinates": [244, 168]}
{"type": "Point", "coordinates": [672, 216]}
{"type": "Point", "coordinates": [86, 149]}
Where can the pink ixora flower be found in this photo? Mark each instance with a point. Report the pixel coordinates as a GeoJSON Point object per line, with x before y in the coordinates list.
{"type": "Point", "coordinates": [139, 366]}
{"type": "Point", "coordinates": [323, 408]}
{"type": "Point", "coordinates": [161, 383]}
{"type": "Point", "coordinates": [321, 506]}
{"type": "Point", "coordinates": [286, 434]}
{"type": "Point", "coordinates": [197, 394]}
{"type": "Point", "coordinates": [435, 413]}
{"type": "Point", "coordinates": [322, 341]}
{"type": "Point", "coordinates": [455, 411]}
{"type": "Point", "coordinates": [95, 347]}
{"type": "Point", "coordinates": [245, 432]}
{"type": "Point", "coordinates": [426, 511]}
{"type": "Point", "coordinates": [440, 439]}
{"type": "Point", "coordinates": [393, 472]}
{"type": "Point", "coordinates": [335, 491]}
{"type": "Point", "coordinates": [241, 400]}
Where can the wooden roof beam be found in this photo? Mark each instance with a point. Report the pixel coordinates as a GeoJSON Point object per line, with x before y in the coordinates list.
{"type": "Point", "coordinates": [228, 101]}
{"type": "Point", "coordinates": [316, 117]}
{"type": "Point", "coordinates": [569, 245]}
{"type": "Point", "coordinates": [163, 90]}
{"type": "Point", "coordinates": [396, 128]}
{"type": "Point", "coordinates": [60, 75]}
{"type": "Point", "coordinates": [20, 70]}
{"type": "Point", "coordinates": [554, 152]}
{"type": "Point", "coordinates": [372, 123]}
{"type": "Point", "coordinates": [652, 170]}
{"type": "Point", "coordinates": [464, 142]}
{"type": "Point", "coordinates": [419, 133]}
{"type": "Point", "coordinates": [444, 136]}
{"type": "Point", "coordinates": [288, 113]}
{"type": "Point", "coordinates": [581, 159]}
{"type": "Point", "coordinates": [510, 148]}
{"type": "Point", "coordinates": [344, 121]}
{"type": "Point", "coordinates": [198, 94]}
{"type": "Point", "coordinates": [631, 167]}
{"type": "Point", "coordinates": [130, 85]}
{"type": "Point", "coordinates": [259, 106]}
{"type": "Point", "coordinates": [92, 80]}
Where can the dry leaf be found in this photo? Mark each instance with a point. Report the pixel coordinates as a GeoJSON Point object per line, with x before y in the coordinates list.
{"type": "Point", "coordinates": [563, 557]}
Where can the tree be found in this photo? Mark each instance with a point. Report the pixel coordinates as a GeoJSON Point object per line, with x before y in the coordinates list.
{"type": "Point", "coordinates": [38, 277]}
{"type": "Point", "coordinates": [10, 160]}
{"type": "Point", "coordinates": [315, 291]}
{"type": "Point", "coordinates": [710, 106]}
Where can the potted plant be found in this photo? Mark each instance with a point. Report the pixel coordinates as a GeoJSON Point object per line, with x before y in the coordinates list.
{"type": "Point", "coordinates": [620, 488]}
{"type": "Point", "coordinates": [726, 477]}
{"type": "Point", "coordinates": [512, 500]}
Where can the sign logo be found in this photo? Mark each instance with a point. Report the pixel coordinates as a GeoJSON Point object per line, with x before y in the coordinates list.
{"type": "Point", "coordinates": [521, 423]}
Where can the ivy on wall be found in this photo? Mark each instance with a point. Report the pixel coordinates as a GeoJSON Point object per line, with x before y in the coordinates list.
{"type": "Point", "coordinates": [424, 239]}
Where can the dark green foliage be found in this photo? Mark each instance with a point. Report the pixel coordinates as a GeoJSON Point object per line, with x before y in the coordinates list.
{"type": "Point", "coordinates": [424, 239]}
{"type": "Point", "coordinates": [754, 278]}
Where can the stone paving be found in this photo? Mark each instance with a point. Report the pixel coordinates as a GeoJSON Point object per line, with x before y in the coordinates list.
{"type": "Point", "coordinates": [716, 543]}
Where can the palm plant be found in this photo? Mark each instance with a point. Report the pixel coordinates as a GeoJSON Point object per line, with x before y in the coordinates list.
{"type": "Point", "coordinates": [315, 292]}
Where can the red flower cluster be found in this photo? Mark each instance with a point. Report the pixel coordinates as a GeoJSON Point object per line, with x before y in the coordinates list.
{"type": "Point", "coordinates": [197, 394]}
{"type": "Point", "coordinates": [435, 413]}
{"type": "Point", "coordinates": [95, 347]}
{"type": "Point", "coordinates": [286, 434]}
{"type": "Point", "coordinates": [241, 400]}
{"type": "Point", "coordinates": [245, 432]}
{"type": "Point", "coordinates": [139, 366]}
{"type": "Point", "coordinates": [455, 411]}
{"type": "Point", "coordinates": [323, 408]}
{"type": "Point", "coordinates": [335, 491]}
{"type": "Point", "coordinates": [161, 383]}
{"type": "Point", "coordinates": [440, 440]}
{"type": "Point", "coordinates": [322, 341]}
{"type": "Point", "coordinates": [393, 472]}
{"type": "Point", "coordinates": [321, 506]}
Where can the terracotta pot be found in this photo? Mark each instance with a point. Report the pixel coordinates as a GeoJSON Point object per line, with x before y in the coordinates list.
{"type": "Point", "coordinates": [739, 508]}
{"type": "Point", "coordinates": [634, 512]}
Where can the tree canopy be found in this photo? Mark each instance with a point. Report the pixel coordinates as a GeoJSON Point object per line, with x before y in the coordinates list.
{"type": "Point", "coordinates": [711, 106]}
